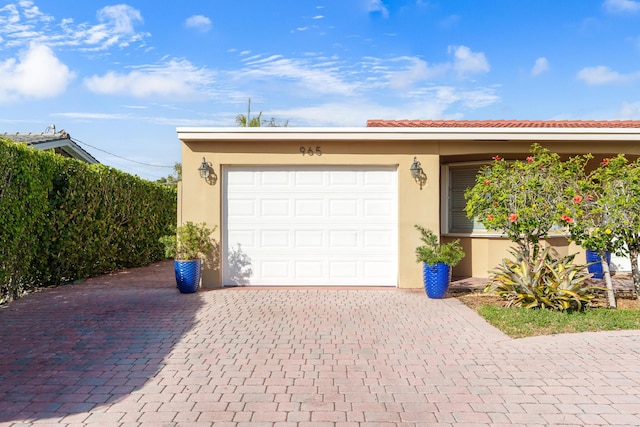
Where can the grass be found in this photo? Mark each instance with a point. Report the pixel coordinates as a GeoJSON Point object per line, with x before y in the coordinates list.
{"type": "Point", "coordinates": [521, 323]}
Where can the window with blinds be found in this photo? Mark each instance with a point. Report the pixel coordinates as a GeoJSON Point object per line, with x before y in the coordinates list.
{"type": "Point", "coordinates": [459, 179]}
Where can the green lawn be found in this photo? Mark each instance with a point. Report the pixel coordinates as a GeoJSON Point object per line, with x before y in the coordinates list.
{"type": "Point", "coordinates": [520, 323]}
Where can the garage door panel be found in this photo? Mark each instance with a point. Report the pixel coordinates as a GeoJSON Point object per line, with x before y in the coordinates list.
{"type": "Point", "coordinates": [274, 207]}
{"type": "Point", "coordinates": [276, 270]}
{"type": "Point", "coordinates": [274, 178]}
{"type": "Point", "coordinates": [243, 207]}
{"type": "Point", "coordinates": [275, 239]}
{"type": "Point", "coordinates": [343, 270]}
{"type": "Point", "coordinates": [309, 178]}
{"type": "Point", "coordinates": [313, 226]}
{"type": "Point", "coordinates": [241, 178]}
{"type": "Point", "coordinates": [380, 179]}
{"type": "Point", "coordinates": [309, 208]}
{"type": "Point", "coordinates": [308, 239]}
{"type": "Point", "coordinates": [343, 208]}
{"type": "Point", "coordinates": [247, 238]}
{"type": "Point", "coordinates": [309, 269]}
{"type": "Point", "coordinates": [344, 239]}
{"type": "Point", "coordinates": [378, 208]}
{"type": "Point", "coordinates": [344, 178]}
{"type": "Point", "coordinates": [378, 238]}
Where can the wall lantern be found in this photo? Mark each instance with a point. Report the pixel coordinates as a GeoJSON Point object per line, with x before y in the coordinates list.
{"type": "Point", "coordinates": [417, 173]}
{"type": "Point", "coordinates": [206, 172]}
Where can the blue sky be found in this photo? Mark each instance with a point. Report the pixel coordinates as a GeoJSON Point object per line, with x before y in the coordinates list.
{"type": "Point", "coordinates": [122, 76]}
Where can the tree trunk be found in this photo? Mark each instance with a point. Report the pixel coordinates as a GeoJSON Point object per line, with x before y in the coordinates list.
{"type": "Point", "coordinates": [635, 272]}
{"type": "Point", "coordinates": [611, 298]}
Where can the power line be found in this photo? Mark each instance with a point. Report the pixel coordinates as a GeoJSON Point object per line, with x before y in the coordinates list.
{"type": "Point", "coordinates": [120, 157]}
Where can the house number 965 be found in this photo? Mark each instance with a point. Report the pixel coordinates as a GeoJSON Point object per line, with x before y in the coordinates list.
{"type": "Point", "coordinates": [311, 151]}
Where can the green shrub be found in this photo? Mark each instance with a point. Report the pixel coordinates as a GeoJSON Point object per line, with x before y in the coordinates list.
{"type": "Point", "coordinates": [433, 252]}
{"type": "Point", "coordinates": [64, 220]}
{"type": "Point", "coordinates": [556, 284]}
{"type": "Point", "coordinates": [191, 241]}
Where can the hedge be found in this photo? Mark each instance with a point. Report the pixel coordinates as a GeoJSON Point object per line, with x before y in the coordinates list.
{"type": "Point", "coordinates": [62, 220]}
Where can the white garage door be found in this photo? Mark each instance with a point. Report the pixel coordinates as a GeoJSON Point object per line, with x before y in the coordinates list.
{"type": "Point", "coordinates": [328, 226]}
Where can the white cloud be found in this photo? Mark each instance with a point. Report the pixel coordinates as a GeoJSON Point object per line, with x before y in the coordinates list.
{"type": "Point", "coordinates": [32, 12]}
{"type": "Point", "coordinates": [541, 66]}
{"type": "Point", "coordinates": [601, 75]}
{"type": "Point", "coordinates": [629, 111]}
{"type": "Point", "coordinates": [199, 22]}
{"type": "Point", "coordinates": [37, 73]}
{"type": "Point", "coordinates": [433, 103]}
{"type": "Point", "coordinates": [116, 28]}
{"type": "Point", "coordinates": [448, 96]}
{"type": "Point", "coordinates": [376, 6]}
{"type": "Point", "coordinates": [314, 77]}
{"type": "Point", "coordinates": [176, 78]}
{"type": "Point", "coordinates": [417, 71]}
{"type": "Point", "coordinates": [598, 75]}
{"type": "Point", "coordinates": [22, 23]}
{"type": "Point", "coordinates": [616, 6]}
{"type": "Point", "coordinates": [318, 17]}
{"type": "Point", "coordinates": [121, 18]}
{"type": "Point", "coordinates": [466, 62]}
{"type": "Point", "coordinates": [92, 116]}
{"type": "Point", "coordinates": [450, 21]}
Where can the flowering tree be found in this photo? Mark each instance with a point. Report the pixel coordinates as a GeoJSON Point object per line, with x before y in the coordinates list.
{"type": "Point", "coordinates": [521, 198]}
{"type": "Point", "coordinates": [604, 214]}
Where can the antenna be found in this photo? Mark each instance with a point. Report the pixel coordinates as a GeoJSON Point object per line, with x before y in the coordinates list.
{"type": "Point", "coordinates": [246, 124]}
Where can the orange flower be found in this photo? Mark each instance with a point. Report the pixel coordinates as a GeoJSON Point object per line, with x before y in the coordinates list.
{"type": "Point", "coordinates": [567, 218]}
{"type": "Point", "coordinates": [577, 199]}
{"type": "Point", "coordinates": [487, 182]}
{"type": "Point", "coordinates": [530, 159]}
{"type": "Point", "coordinates": [496, 158]}
{"type": "Point", "coordinates": [496, 204]}
{"type": "Point", "coordinates": [604, 162]}
{"type": "Point", "coordinates": [590, 198]}
{"type": "Point", "coordinates": [513, 217]}
{"type": "Point", "coordinates": [490, 217]}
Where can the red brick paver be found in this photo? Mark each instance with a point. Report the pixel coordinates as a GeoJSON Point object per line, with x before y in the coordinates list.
{"type": "Point", "coordinates": [128, 349]}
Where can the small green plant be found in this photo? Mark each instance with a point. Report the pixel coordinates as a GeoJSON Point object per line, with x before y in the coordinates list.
{"type": "Point", "coordinates": [191, 241]}
{"type": "Point", "coordinates": [545, 282]}
{"type": "Point", "coordinates": [433, 252]}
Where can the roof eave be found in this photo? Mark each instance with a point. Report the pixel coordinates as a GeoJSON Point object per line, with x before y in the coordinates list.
{"type": "Point", "coordinates": [70, 147]}
{"type": "Point", "coordinates": [408, 134]}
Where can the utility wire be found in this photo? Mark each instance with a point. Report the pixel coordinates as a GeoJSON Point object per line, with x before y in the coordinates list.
{"type": "Point", "coordinates": [120, 157]}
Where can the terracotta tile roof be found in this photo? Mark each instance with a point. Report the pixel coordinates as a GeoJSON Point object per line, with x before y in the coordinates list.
{"type": "Point", "coordinates": [505, 123]}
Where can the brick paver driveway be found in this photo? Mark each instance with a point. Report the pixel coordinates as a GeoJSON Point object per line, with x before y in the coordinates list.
{"type": "Point", "coordinates": [128, 349]}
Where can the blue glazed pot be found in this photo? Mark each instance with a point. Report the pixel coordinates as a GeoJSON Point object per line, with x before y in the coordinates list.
{"type": "Point", "coordinates": [596, 269]}
{"type": "Point", "coordinates": [436, 279]}
{"type": "Point", "coordinates": [188, 275]}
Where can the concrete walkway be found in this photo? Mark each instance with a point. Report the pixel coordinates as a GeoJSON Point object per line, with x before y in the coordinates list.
{"type": "Point", "coordinates": [128, 349]}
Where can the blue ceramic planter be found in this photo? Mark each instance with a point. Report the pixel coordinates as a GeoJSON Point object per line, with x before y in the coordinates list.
{"type": "Point", "coordinates": [188, 275]}
{"type": "Point", "coordinates": [596, 269]}
{"type": "Point", "coordinates": [436, 279]}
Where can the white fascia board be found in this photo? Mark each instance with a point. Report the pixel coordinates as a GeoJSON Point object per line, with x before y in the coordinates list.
{"type": "Point", "coordinates": [408, 134]}
{"type": "Point", "coordinates": [73, 149]}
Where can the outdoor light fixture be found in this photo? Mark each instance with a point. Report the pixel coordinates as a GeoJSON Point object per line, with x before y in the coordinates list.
{"type": "Point", "coordinates": [204, 169]}
{"type": "Point", "coordinates": [207, 173]}
{"type": "Point", "coordinates": [417, 173]}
